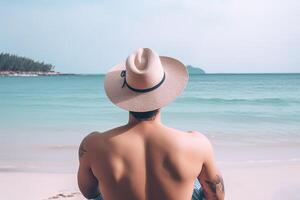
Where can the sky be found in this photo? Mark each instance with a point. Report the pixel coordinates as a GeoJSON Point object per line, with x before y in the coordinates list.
{"type": "Point", "coordinates": [220, 36]}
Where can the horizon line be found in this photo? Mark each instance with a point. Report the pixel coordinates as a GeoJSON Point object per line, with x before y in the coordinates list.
{"type": "Point", "coordinates": [225, 73]}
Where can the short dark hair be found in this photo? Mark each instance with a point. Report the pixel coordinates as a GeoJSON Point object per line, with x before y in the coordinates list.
{"type": "Point", "coordinates": [144, 116]}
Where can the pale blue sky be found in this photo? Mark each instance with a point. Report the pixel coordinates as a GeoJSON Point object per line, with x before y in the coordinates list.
{"type": "Point", "coordinates": [90, 36]}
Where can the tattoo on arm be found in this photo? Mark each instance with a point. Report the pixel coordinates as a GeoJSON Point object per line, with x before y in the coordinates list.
{"type": "Point", "coordinates": [83, 145]}
{"type": "Point", "coordinates": [216, 185]}
{"type": "Point", "coordinates": [82, 150]}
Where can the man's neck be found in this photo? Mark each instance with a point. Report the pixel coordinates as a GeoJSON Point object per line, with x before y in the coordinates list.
{"type": "Point", "coordinates": [155, 120]}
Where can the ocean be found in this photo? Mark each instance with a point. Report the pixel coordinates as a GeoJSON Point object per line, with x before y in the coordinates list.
{"type": "Point", "coordinates": [43, 119]}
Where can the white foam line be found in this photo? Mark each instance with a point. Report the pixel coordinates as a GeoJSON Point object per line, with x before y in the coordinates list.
{"type": "Point", "coordinates": [258, 161]}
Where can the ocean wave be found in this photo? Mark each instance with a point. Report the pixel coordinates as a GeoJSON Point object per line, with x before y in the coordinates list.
{"type": "Point", "coordinates": [62, 147]}
{"type": "Point", "coordinates": [253, 101]}
{"type": "Point", "coordinates": [260, 161]}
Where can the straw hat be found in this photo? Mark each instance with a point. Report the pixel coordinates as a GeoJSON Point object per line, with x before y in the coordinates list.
{"type": "Point", "coordinates": [145, 81]}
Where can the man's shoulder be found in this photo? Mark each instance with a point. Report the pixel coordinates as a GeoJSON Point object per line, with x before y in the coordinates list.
{"type": "Point", "coordinates": [96, 137]}
{"type": "Point", "coordinates": [87, 143]}
{"type": "Point", "coordinates": [194, 140]}
{"type": "Point", "coordinates": [90, 137]}
{"type": "Point", "coordinates": [194, 145]}
{"type": "Point", "coordinates": [201, 139]}
{"type": "Point", "coordinates": [193, 136]}
{"type": "Point", "coordinates": [203, 144]}
{"type": "Point", "coordinates": [198, 137]}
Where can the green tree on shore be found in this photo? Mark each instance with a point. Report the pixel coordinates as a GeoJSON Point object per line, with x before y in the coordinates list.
{"type": "Point", "coordinates": [9, 62]}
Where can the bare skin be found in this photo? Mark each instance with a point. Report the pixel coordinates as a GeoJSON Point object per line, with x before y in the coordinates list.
{"type": "Point", "coordinates": [145, 160]}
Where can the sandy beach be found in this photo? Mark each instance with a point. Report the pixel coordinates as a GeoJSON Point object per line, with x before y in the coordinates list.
{"type": "Point", "coordinates": [253, 181]}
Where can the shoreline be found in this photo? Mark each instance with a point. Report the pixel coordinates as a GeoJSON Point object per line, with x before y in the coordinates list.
{"type": "Point", "coordinates": [33, 73]}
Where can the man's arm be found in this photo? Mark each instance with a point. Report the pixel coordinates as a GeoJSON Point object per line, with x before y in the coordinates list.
{"type": "Point", "coordinates": [87, 182]}
{"type": "Point", "coordinates": [210, 177]}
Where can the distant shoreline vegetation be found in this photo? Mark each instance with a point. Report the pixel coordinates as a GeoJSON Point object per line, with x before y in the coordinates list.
{"type": "Point", "coordinates": [13, 65]}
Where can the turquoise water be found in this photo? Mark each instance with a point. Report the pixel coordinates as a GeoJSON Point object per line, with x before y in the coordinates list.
{"type": "Point", "coordinates": [56, 112]}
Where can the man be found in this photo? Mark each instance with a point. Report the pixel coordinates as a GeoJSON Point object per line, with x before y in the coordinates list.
{"type": "Point", "coordinates": [144, 159]}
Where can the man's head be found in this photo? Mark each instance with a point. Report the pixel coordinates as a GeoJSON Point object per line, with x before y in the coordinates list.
{"type": "Point", "coordinates": [145, 116]}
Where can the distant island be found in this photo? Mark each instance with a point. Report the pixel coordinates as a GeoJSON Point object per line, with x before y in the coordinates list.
{"type": "Point", "coordinates": [194, 70]}
{"type": "Point", "coordinates": [13, 65]}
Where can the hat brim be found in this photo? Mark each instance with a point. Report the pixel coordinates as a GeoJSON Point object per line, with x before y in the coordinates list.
{"type": "Point", "coordinates": [175, 81]}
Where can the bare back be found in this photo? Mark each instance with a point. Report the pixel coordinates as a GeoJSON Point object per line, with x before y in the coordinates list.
{"type": "Point", "coordinates": [145, 161]}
